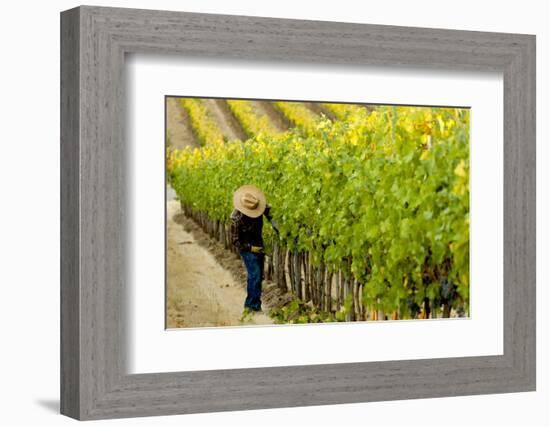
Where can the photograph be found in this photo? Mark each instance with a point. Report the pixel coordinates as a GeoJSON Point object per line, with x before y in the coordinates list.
{"type": "Point", "coordinates": [301, 212]}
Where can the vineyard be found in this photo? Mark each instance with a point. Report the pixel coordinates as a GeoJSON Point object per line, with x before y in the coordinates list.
{"type": "Point", "coordinates": [371, 202]}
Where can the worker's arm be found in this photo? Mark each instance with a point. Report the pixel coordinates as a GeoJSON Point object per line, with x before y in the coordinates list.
{"type": "Point", "coordinates": [269, 216]}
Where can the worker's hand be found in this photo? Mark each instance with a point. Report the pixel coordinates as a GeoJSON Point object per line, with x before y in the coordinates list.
{"type": "Point", "coordinates": [256, 249]}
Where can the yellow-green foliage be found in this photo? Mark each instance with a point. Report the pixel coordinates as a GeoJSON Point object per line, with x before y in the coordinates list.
{"type": "Point", "coordinates": [252, 122]}
{"type": "Point", "coordinates": [205, 128]}
{"type": "Point", "coordinates": [298, 115]}
{"type": "Point", "coordinates": [341, 111]}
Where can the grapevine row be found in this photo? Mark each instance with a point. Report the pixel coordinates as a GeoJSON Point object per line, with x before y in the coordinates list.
{"type": "Point", "coordinates": [299, 115]}
{"type": "Point", "coordinates": [341, 111]}
{"type": "Point", "coordinates": [252, 122]}
{"type": "Point", "coordinates": [204, 127]}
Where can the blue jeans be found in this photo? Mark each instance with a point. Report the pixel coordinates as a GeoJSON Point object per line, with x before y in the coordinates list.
{"type": "Point", "coordinates": [254, 264]}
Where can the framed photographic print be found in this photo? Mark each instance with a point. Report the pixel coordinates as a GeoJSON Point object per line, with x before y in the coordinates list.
{"type": "Point", "coordinates": [356, 201]}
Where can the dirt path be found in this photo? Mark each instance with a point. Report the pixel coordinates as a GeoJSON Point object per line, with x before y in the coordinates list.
{"type": "Point", "coordinates": [228, 125]}
{"type": "Point", "coordinates": [200, 292]}
{"type": "Point", "coordinates": [277, 119]}
{"type": "Point", "coordinates": [180, 133]}
{"type": "Point", "coordinates": [318, 109]}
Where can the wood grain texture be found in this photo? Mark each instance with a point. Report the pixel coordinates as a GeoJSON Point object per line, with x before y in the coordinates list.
{"type": "Point", "coordinates": [70, 292]}
{"type": "Point", "coordinates": [95, 237]}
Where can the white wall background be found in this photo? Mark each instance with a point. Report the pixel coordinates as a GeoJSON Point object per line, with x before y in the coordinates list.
{"type": "Point", "coordinates": [29, 214]}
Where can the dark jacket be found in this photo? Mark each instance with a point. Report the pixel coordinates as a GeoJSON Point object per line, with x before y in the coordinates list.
{"type": "Point", "coordinates": [247, 231]}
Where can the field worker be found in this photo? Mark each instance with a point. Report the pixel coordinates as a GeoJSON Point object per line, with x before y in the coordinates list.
{"type": "Point", "coordinates": [246, 235]}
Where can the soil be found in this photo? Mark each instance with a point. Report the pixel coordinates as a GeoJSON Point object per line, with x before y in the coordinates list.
{"type": "Point", "coordinates": [319, 109]}
{"type": "Point", "coordinates": [229, 126]}
{"type": "Point", "coordinates": [276, 118]}
{"type": "Point", "coordinates": [180, 132]}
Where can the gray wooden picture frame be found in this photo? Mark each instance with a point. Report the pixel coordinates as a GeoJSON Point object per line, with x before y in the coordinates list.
{"type": "Point", "coordinates": [94, 381]}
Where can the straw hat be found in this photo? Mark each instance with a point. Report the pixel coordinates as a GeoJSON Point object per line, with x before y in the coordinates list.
{"type": "Point", "coordinates": [249, 200]}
